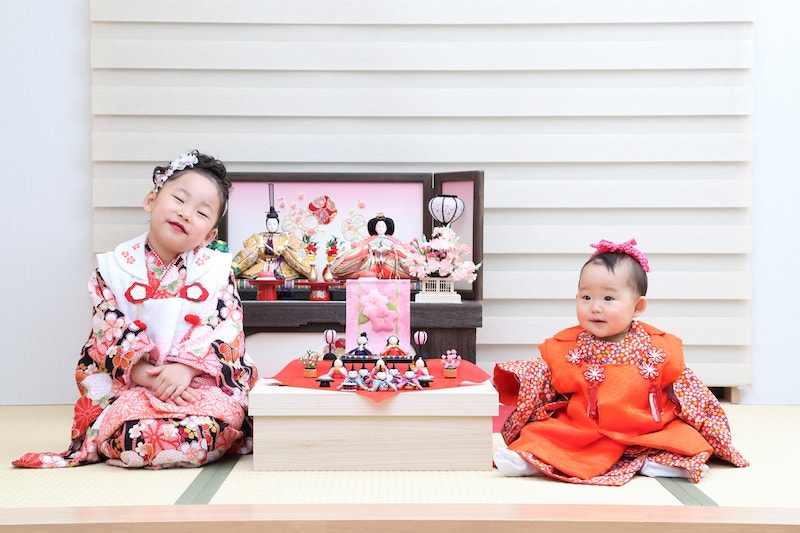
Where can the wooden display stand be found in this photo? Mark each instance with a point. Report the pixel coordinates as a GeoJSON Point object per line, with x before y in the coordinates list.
{"type": "Point", "coordinates": [308, 429]}
{"type": "Point", "coordinates": [448, 325]}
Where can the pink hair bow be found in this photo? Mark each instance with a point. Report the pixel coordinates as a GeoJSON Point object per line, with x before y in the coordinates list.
{"type": "Point", "coordinates": [629, 248]}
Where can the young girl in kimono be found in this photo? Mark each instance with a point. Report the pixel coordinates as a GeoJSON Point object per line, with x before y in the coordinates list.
{"type": "Point", "coordinates": [164, 376]}
{"type": "Point", "coordinates": [610, 397]}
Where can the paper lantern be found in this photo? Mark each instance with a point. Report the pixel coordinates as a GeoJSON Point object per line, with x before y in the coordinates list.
{"type": "Point", "coordinates": [446, 208]}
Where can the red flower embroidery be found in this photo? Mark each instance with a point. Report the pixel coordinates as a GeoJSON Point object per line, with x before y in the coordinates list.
{"type": "Point", "coordinates": [323, 208]}
{"type": "Point", "coordinates": [139, 292]}
{"type": "Point", "coordinates": [201, 259]}
{"type": "Point", "coordinates": [86, 412]}
{"type": "Point", "coordinates": [194, 292]}
{"type": "Point", "coordinates": [29, 460]}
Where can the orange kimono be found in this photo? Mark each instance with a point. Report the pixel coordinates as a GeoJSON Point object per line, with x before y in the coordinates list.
{"type": "Point", "coordinates": [592, 411]}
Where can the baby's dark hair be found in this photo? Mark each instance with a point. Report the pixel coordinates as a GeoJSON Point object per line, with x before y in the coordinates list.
{"type": "Point", "coordinates": [611, 260]}
{"type": "Point", "coordinates": [209, 166]}
{"type": "Point", "coordinates": [373, 222]}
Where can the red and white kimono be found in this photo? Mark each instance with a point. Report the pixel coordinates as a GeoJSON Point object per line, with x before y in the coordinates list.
{"type": "Point", "coordinates": [186, 312]}
{"type": "Point", "coordinates": [592, 412]}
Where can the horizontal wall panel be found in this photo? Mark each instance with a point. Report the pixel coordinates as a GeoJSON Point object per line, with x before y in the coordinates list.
{"type": "Point", "coordinates": [369, 56]}
{"type": "Point", "coordinates": [109, 146]}
{"type": "Point", "coordinates": [108, 236]}
{"type": "Point", "coordinates": [662, 285]}
{"type": "Point", "coordinates": [499, 102]}
{"type": "Point", "coordinates": [714, 331]}
{"type": "Point", "coordinates": [609, 193]}
{"type": "Point", "coordinates": [653, 239]}
{"type": "Point", "coordinates": [550, 175]}
{"type": "Point", "coordinates": [622, 119]}
{"type": "Point", "coordinates": [418, 12]}
{"type": "Point", "coordinates": [120, 192]}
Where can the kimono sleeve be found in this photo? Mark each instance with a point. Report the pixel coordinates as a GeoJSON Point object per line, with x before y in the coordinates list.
{"type": "Point", "coordinates": [700, 409]}
{"type": "Point", "coordinates": [525, 384]}
{"type": "Point", "coordinates": [215, 345]}
{"type": "Point", "coordinates": [116, 343]}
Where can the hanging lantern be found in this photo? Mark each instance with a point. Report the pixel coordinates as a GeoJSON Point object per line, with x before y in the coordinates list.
{"type": "Point", "coordinates": [330, 338]}
{"type": "Point", "coordinates": [420, 338]}
{"type": "Point", "coordinates": [446, 208]}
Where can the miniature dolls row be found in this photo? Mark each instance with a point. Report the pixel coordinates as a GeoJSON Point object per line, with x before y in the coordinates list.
{"type": "Point", "coordinates": [363, 369]}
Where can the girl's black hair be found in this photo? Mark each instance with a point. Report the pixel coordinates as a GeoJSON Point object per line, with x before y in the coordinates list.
{"type": "Point", "coordinates": [613, 259]}
{"type": "Point", "coordinates": [213, 169]}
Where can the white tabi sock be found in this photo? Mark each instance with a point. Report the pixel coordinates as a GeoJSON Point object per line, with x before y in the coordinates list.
{"type": "Point", "coordinates": [651, 469]}
{"type": "Point", "coordinates": [511, 464]}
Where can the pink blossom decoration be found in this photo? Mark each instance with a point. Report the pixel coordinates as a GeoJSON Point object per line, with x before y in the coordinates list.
{"type": "Point", "coordinates": [451, 359]}
{"type": "Point", "coordinates": [375, 308]}
{"type": "Point", "coordinates": [442, 255]}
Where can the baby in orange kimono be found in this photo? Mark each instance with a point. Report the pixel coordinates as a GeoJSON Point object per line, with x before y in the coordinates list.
{"type": "Point", "coordinates": [610, 397]}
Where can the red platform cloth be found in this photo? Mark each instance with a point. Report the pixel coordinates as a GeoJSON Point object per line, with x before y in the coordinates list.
{"type": "Point", "coordinates": [468, 374]}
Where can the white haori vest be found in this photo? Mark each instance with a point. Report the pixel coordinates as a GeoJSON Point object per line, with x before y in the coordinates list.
{"type": "Point", "coordinates": [125, 272]}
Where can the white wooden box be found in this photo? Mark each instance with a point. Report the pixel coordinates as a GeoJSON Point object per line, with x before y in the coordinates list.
{"type": "Point", "coordinates": [317, 429]}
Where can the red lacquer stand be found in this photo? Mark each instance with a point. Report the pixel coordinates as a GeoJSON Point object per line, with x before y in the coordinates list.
{"type": "Point", "coordinates": [319, 291]}
{"type": "Point", "coordinates": [267, 288]}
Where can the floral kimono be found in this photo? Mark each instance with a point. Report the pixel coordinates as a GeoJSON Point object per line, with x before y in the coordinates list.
{"type": "Point", "coordinates": [186, 312]}
{"type": "Point", "coordinates": [592, 412]}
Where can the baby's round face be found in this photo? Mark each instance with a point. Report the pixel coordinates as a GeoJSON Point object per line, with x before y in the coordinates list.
{"type": "Point", "coordinates": [606, 302]}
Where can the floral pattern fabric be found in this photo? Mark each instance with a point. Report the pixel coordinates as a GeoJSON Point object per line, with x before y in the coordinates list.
{"type": "Point", "coordinates": [117, 420]}
{"type": "Point", "coordinates": [531, 387]}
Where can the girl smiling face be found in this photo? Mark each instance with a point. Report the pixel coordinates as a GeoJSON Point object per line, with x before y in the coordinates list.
{"type": "Point", "coordinates": [607, 302]}
{"type": "Point", "coordinates": [183, 214]}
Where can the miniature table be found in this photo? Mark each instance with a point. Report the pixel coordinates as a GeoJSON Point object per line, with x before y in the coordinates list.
{"type": "Point", "coordinates": [320, 429]}
{"type": "Point", "coordinates": [319, 291]}
{"type": "Point", "coordinates": [267, 288]}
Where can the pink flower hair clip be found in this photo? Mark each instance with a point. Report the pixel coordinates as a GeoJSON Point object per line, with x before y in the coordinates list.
{"type": "Point", "coordinates": [628, 248]}
{"type": "Point", "coordinates": [185, 160]}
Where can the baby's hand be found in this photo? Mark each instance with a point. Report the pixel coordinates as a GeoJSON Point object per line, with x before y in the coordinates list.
{"type": "Point", "coordinates": [172, 383]}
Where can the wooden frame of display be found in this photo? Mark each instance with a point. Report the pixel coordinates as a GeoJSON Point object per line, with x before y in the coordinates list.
{"type": "Point", "coordinates": [431, 185]}
{"type": "Point", "coordinates": [449, 325]}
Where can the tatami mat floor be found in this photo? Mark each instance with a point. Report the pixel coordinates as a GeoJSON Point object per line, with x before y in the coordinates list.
{"type": "Point", "coordinates": [766, 435]}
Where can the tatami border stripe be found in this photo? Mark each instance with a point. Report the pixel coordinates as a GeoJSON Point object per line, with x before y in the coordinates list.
{"type": "Point", "coordinates": [686, 492]}
{"type": "Point", "coordinates": [208, 482]}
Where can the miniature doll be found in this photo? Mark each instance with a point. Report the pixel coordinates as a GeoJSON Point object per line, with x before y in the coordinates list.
{"type": "Point", "coordinates": [409, 380]}
{"type": "Point", "coordinates": [352, 381]}
{"type": "Point", "coordinates": [363, 349]}
{"type": "Point", "coordinates": [382, 382]}
{"type": "Point", "coordinates": [379, 255]}
{"type": "Point", "coordinates": [278, 254]}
